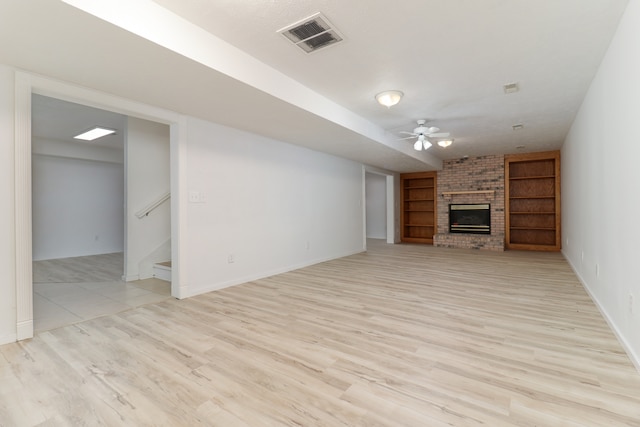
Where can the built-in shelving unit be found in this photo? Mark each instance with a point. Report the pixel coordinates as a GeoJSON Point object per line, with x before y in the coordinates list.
{"type": "Point", "coordinates": [418, 211]}
{"type": "Point", "coordinates": [532, 205]}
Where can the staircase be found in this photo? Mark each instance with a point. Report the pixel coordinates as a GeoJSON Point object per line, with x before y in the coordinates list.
{"type": "Point", "coordinates": [162, 270]}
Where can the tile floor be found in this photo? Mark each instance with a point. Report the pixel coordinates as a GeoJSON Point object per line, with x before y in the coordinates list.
{"type": "Point", "coordinates": [57, 304]}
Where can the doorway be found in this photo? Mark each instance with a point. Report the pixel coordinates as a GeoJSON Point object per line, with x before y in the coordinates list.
{"type": "Point", "coordinates": [380, 212]}
{"type": "Point", "coordinates": [81, 239]}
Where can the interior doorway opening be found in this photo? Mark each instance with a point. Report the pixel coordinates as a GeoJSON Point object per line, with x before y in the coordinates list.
{"type": "Point", "coordinates": [380, 215]}
{"type": "Point", "coordinates": [25, 86]}
{"type": "Point", "coordinates": [90, 255]}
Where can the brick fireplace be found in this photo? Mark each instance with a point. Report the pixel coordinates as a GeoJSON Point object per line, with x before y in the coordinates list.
{"type": "Point", "coordinates": [473, 180]}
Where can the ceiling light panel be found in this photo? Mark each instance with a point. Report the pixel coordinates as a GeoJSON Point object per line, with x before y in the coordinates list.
{"type": "Point", "coordinates": [94, 133]}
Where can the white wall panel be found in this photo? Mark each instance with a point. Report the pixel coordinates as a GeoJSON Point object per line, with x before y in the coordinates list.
{"type": "Point", "coordinates": [7, 220]}
{"type": "Point", "coordinates": [376, 196]}
{"type": "Point", "coordinates": [266, 206]}
{"type": "Point", "coordinates": [77, 207]}
{"type": "Point", "coordinates": [147, 164]}
{"type": "Point", "coordinates": [601, 184]}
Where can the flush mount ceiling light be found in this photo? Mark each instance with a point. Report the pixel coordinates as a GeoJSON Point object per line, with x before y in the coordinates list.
{"type": "Point", "coordinates": [95, 133]}
{"type": "Point", "coordinates": [445, 143]}
{"type": "Point", "coordinates": [389, 98]}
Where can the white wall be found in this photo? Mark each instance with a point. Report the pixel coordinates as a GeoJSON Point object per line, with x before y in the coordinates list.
{"type": "Point", "coordinates": [7, 221]}
{"type": "Point", "coordinates": [601, 185]}
{"type": "Point", "coordinates": [78, 196]}
{"type": "Point", "coordinates": [271, 206]}
{"type": "Point", "coordinates": [147, 164]}
{"type": "Point", "coordinates": [376, 197]}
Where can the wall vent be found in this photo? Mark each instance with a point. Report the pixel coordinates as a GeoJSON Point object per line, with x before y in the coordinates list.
{"type": "Point", "coordinates": [312, 33]}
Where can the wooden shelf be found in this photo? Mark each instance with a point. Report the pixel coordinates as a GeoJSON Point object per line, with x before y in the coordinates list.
{"type": "Point", "coordinates": [531, 197]}
{"type": "Point", "coordinates": [532, 188]}
{"type": "Point", "coordinates": [534, 228]}
{"type": "Point", "coordinates": [418, 213]}
{"type": "Point", "coordinates": [514, 178]}
{"type": "Point", "coordinates": [454, 193]}
{"type": "Point", "coordinates": [532, 213]}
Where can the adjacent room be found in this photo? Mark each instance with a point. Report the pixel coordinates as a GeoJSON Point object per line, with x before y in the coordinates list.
{"type": "Point", "coordinates": [83, 192]}
{"type": "Point", "coordinates": [319, 213]}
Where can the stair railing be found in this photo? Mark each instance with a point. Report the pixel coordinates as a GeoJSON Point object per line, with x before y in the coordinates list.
{"type": "Point", "coordinates": [153, 205]}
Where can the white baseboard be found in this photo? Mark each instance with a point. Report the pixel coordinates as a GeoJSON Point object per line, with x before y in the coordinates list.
{"type": "Point", "coordinates": [24, 330]}
{"type": "Point", "coordinates": [635, 358]}
{"type": "Point", "coordinates": [217, 286]}
{"type": "Point", "coordinates": [161, 272]}
{"type": "Point", "coordinates": [8, 339]}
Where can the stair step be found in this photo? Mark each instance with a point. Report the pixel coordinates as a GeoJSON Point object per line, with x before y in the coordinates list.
{"type": "Point", "coordinates": [162, 270]}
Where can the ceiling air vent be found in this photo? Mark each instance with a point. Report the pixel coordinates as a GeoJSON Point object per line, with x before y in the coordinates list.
{"type": "Point", "coordinates": [312, 33]}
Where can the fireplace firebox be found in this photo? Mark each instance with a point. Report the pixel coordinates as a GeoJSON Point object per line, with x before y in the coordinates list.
{"type": "Point", "coordinates": [470, 218]}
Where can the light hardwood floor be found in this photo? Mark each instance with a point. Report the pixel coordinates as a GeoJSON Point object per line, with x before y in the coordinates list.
{"type": "Point", "coordinates": [403, 335]}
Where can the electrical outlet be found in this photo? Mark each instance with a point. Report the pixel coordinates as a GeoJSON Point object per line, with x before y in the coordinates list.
{"type": "Point", "coordinates": [597, 270]}
{"type": "Point", "coordinates": [582, 257]}
{"type": "Point", "coordinates": [231, 258]}
{"type": "Point", "coordinates": [630, 303]}
{"type": "Point", "coordinates": [194, 196]}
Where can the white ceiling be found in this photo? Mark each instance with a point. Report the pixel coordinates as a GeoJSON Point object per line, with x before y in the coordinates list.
{"type": "Point", "coordinates": [54, 119]}
{"type": "Point", "coordinates": [450, 58]}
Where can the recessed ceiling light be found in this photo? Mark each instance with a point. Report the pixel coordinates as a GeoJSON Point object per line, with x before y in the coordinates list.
{"type": "Point", "coordinates": [518, 126]}
{"type": "Point", "coordinates": [95, 133]}
{"type": "Point", "coordinates": [511, 88]}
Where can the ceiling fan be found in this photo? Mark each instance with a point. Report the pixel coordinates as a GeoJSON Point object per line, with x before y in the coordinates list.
{"type": "Point", "coordinates": [423, 133]}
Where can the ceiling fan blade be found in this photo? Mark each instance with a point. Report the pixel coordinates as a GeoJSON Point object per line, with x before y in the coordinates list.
{"type": "Point", "coordinates": [402, 139]}
{"type": "Point", "coordinates": [407, 133]}
{"type": "Point", "coordinates": [432, 129]}
{"type": "Point", "coordinates": [438, 135]}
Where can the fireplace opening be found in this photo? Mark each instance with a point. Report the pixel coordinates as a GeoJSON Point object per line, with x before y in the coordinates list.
{"type": "Point", "coordinates": [470, 218]}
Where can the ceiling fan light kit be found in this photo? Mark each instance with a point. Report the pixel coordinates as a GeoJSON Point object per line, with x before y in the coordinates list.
{"type": "Point", "coordinates": [389, 98]}
{"type": "Point", "coordinates": [423, 133]}
{"type": "Point", "coordinates": [421, 143]}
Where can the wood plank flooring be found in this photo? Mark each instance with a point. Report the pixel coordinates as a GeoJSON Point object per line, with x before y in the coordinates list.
{"type": "Point", "coordinates": [403, 335]}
